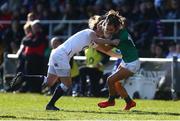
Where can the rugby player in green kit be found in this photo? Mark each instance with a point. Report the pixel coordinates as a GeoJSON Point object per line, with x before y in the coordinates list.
{"type": "Point", "coordinates": [114, 26]}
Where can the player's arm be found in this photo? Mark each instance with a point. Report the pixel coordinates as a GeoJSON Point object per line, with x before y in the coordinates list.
{"type": "Point", "coordinates": [114, 42]}
{"type": "Point", "coordinates": [113, 54]}
{"type": "Point", "coordinates": [108, 50]}
{"type": "Point", "coordinates": [102, 41]}
{"type": "Point", "coordinates": [103, 47]}
{"type": "Point", "coordinates": [18, 52]}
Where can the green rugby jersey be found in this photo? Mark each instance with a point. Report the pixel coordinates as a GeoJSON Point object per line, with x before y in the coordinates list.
{"type": "Point", "coordinates": [126, 46]}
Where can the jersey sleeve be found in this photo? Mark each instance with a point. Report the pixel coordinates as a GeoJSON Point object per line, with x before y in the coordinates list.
{"type": "Point", "coordinates": [93, 37]}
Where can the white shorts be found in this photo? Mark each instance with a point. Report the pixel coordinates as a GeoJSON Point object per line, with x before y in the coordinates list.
{"type": "Point", "coordinates": [59, 64]}
{"type": "Point", "coordinates": [132, 66]}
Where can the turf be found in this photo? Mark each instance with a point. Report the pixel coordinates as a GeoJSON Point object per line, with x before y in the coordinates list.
{"type": "Point", "coordinates": [31, 107]}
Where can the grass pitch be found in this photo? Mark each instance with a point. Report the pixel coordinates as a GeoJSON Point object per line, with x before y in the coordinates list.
{"type": "Point", "coordinates": [32, 107]}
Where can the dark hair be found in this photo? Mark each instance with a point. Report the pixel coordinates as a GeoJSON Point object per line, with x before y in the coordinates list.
{"type": "Point", "coordinates": [113, 18]}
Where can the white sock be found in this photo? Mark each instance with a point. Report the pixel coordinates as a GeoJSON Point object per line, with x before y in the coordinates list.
{"type": "Point", "coordinates": [64, 87]}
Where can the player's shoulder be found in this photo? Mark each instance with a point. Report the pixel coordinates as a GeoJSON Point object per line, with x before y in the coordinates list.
{"type": "Point", "coordinates": [88, 30]}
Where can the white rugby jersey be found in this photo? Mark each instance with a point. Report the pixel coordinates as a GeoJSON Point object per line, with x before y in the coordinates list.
{"type": "Point", "coordinates": [77, 42]}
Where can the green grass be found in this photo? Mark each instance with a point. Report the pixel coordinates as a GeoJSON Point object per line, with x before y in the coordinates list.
{"type": "Point", "coordinates": [31, 107]}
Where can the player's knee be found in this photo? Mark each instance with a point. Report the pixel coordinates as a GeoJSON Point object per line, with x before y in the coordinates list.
{"type": "Point", "coordinates": [50, 83]}
{"type": "Point", "coordinates": [67, 82]}
{"type": "Point", "coordinates": [51, 80]}
{"type": "Point", "coordinates": [109, 80]}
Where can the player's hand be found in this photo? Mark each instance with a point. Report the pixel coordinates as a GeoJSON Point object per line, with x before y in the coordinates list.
{"type": "Point", "coordinates": [115, 42]}
{"type": "Point", "coordinates": [99, 65]}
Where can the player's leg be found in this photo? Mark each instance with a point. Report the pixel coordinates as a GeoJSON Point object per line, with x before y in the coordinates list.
{"type": "Point", "coordinates": [131, 68]}
{"type": "Point", "coordinates": [120, 89]}
{"type": "Point", "coordinates": [61, 89]}
{"type": "Point", "coordinates": [59, 66]}
{"type": "Point", "coordinates": [120, 74]}
{"type": "Point", "coordinates": [54, 75]}
{"type": "Point", "coordinates": [124, 71]}
{"type": "Point", "coordinates": [123, 93]}
{"type": "Point", "coordinates": [20, 78]}
{"type": "Point", "coordinates": [16, 81]}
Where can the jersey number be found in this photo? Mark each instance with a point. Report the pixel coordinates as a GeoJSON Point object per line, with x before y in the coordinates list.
{"type": "Point", "coordinates": [130, 38]}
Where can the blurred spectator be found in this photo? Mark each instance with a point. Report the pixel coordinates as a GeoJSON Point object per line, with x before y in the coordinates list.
{"type": "Point", "coordinates": [178, 50]}
{"type": "Point", "coordinates": [143, 24]}
{"type": "Point", "coordinates": [10, 64]}
{"type": "Point", "coordinates": [34, 55]}
{"type": "Point", "coordinates": [55, 13]}
{"type": "Point", "coordinates": [159, 53]}
{"type": "Point", "coordinates": [172, 50]}
{"type": "Point", "coordinates": [144, 32]}
{"type": "Point", "coordinates": [5, 15]}
{"type": "Point", "coordinates": [160, 8]}
{"type": "Point", "coordinates": [14, 4]}
{"type": "Point", "coordinates": [174, 11]}
{"type": "Point", "coordinates": [12, 37]}
{"type": "Point", "coordinates": [69, 13]}
{"type": "Point", "coordinates": [22, 80]}
{"type": "Point", "coordinates": [23, 12]}
{"type": "Point", "coordinates": [28, 34]}
{"type": "Point", "coordinates": [19, 54]}
{"type": "Point", "coordinates": [151, 52]}
{"type": "Point", "coordinates": [92, 73]}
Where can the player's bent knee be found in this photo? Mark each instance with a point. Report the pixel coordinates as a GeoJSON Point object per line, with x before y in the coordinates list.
{"type": "Point", "coordinates": [109, 80]}
{"type": "Point", "coordinates": [67, 81]}
{"type": "Point", "coordinates": [50, 82]}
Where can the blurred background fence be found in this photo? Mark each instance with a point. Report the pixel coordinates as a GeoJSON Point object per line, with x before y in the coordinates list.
{"type": "Point", "coordinates": [51, 24]}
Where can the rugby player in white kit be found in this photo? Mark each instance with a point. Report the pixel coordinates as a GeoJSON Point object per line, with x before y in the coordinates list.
{"type": "Point", "coordinates": [59, 67]}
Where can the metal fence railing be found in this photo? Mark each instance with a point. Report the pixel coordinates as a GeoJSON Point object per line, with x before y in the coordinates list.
{"type": "Point", "coordinates": [51, 23]}
{"type": "Point", "coordinates": [69, 23]}
{"type": "Point", "coordinates": [175, 30]}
